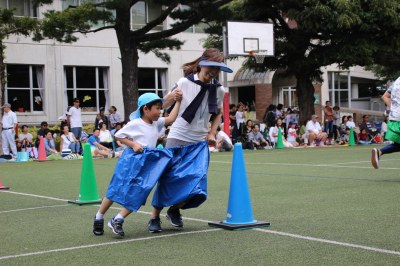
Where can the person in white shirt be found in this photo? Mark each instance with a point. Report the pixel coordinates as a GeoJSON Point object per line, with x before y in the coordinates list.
{"type": "Point", "coordinates": [75, 119]}
{"type": "Point", "coordinates": [25, 139]}
{"type": "Point", "coordinates": [114, 117]}
{"type": "Point", "coordinates": [240, 115]}
{"type": "Point", "coordinates": [350, 123]}
{"type": "Point", "coordinates": [224, 142]}
{"type": "Point", "coordinates": [69, 141]}
{"type": "Point", "coordinates": [106, 139]}
{"type": "Point", "coordinates": [202, 100]}
{"type": "Point", "coordinates": [292, 134]}
{"type": "Point", "coordinates": [129, 186]}
{"type": "Point", "coordinates": [8, 124]}
{"type": "Point", "coordinates": [314, 132]}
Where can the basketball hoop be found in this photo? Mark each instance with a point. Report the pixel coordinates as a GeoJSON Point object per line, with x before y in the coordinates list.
{"type": "Point", "coordinates": [259, 56]}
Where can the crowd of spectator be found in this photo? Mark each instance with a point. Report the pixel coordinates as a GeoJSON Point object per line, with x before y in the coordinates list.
{"type": "Point", "coordinates": [252, 134]}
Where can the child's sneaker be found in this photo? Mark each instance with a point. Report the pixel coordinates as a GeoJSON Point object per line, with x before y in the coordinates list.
{"type": "Point", "coordinates": [116, 226]}
{"type": "Point", "coordinates": [98, 227]}
{"type": "Point", "coordinates": [155, 225]}
{"type": "Point", "coordinates": [174, 217]}
{"type": "Point", "coordinates": [375, 158]}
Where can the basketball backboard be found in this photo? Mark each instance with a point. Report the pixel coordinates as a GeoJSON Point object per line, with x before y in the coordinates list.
{"type": "Point", "coordinates": [246, 37]}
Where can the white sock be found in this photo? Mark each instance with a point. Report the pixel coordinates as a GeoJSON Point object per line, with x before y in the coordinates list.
{"type": "Point", "coordinates": [99, 215]}
{"type": "Point", "coordinates": [118, 216]}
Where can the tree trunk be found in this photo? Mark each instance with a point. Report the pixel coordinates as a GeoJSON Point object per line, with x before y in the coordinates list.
{"type": "Point", "coordinates": [130, 69]}
{"type": "Point", "coordinates": [305, 95]}
{"type": "Point", "coordinates": [129, 60]}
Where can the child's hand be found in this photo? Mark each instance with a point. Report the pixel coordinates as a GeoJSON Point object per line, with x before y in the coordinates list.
{"type": "Point", "coordinates": [137, 147]}
{"type": "Point", "coordinates": [178, 94]}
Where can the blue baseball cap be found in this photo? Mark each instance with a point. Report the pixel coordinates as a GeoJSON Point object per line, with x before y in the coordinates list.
{"type": "Point", "coordinates": [221, 65]}
{"type": "Point", "coordinates": [144, 99]}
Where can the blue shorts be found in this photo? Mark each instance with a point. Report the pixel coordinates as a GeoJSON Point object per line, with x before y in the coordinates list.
{"type": "Point", "coordinates": [180, 171]}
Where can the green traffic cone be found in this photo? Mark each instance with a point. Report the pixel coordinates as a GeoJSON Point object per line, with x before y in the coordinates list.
{"type": "Point", "coordinates": [352, 142]}
{"type": "Point", "coordinates": [279, 144]}
{"type": "Point", "coordinates": [88, 193]}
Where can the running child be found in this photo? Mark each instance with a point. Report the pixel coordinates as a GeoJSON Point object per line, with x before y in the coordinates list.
{"type": "Point", "coordinates": [130, 186]}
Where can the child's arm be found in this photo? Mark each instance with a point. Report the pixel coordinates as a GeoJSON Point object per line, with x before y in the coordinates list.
{"type": "Point", "coordinates": [101, 146]}
{"type": "Point", "coordinates": [134, 145]}
{"type": "Point", "coordinates": [174, 113]}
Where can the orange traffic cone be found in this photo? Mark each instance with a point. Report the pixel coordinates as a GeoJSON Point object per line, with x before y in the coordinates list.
{"type": "Point", "coordinates": [3, 187]}
{"type": "Point", "coordinates": [42, 151]}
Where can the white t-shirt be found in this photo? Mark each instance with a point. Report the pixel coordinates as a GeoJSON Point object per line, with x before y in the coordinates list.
{"type": "Point", "coordinates": [75, 117]}
{"type": "Point", "coordinates": [197, 130]}
{"type": "Point", "coordinates": [141, 132]}
{"type": "Point", "coordinates": [9, 119]}
{"type": "Point", "coordinates": [105, 136]}
{"type": "Point", "coordinates": [28, 136]}
{"type": "Point", "coordinates": [292, 134]}
{"type": "Point", "coordinates": [67, 140]}
{"type": "Point", "coordinates": [222, 135]}
{"type": "Point", "coordinates": [350, 124]}
{"type": "Point", "coordinates": [314, 127]}
{"type": "Point", "coordinates": [274, 131]}
{"type": "Point", "coordinates": [239, 118]}
{"type": "Point", "coordinates": [394, 91]}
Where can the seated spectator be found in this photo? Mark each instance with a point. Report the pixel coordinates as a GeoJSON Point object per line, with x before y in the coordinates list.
{"type": "Point", "coordinates": [344, 139]}
{"type": "Point", "coordinates": [49, 144]}
{"type": "Point", "coordinates": [368, 126]}
{"type": "Point", "coordinates": [314, 132]}
{"type": "Point", "coordinates": [257, 138]}
{"type": "Point", "coordinates": [101, 118]}
{"type": "Point", "coordinates": [41, 132]}
{"type": "Point", "coordinates": [95, 146]}
{"type": "Point", "coordinates": [274, 132]}
{"type": "Point", "coordinates": [224, 142]}
{"type": "Point", "coordinates": [25, 139]}
{"type": "Point", "coordinates": [69, 141]}
{"type": "Point", "coordinates": [363, 137]}
{"type": "Point", "coordinates": [119, 146]}
{"type": "Point", "coordinates": [343, 126]}
{"type": "Point", "coordinates": [292, 134]}
{"type": "Point", "coordinates": [350, 123]}
{"type": "Point", "coordinates": [105, 136]}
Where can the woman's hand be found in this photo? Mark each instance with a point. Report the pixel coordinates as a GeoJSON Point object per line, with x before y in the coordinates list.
{"type": "Point", "coordinates": [211, 139]}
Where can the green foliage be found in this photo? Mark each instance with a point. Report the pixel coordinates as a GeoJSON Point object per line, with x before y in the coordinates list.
{"type": "Point", "coordinates": [62, 25]}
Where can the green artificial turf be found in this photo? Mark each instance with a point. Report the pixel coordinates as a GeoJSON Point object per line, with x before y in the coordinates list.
{"type": "Point", "coordinates": [320, 193]}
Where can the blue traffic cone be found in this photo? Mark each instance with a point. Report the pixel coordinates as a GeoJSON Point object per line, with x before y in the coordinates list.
{"type": "Point", "coordinates": [239, 214]}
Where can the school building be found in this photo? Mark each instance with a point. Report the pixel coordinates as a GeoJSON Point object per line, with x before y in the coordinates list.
{"type": "Point", "coordinates": [43, 77]}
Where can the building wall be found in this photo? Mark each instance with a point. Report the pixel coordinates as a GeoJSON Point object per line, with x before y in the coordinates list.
{"type": "Point", "coordinates": [97, 49]}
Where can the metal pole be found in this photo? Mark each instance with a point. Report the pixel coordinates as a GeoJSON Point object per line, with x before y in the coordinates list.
{"type": "Point", "coordinates": [225, 84]}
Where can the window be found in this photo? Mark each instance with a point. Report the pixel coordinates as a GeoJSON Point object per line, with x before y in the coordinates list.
{"type": "Point", "coordinates": [24, 88]}
{"type": "Point", "coordinates": [22, 8]}
{"type": "Point", "coordinates": [198, 28]}
{"type": "Point", "coordinates": [152, 80]}
{"type": "Point", "coordinates": [90, 85]}
{"type": "Point", "coordinates": [288, 97]}
{"type": "Point", "coordinates": [143, 12]}
{"type": "Point", "coordinates": [339, 90]}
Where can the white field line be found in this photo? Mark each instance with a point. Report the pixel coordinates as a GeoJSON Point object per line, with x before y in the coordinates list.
{"type": "Point", "coordinates": [313, 165]}
{"type": "Point", "coordinates": [35, 208]}
{"type": "Point", "coordinates": [343, 244]}
{"type": "Point", "coordinates": [363, 161]}
{"type": "Point", "coordinates": [309, 238]}
{"type": "Point", "coordinates": [105, 244]}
